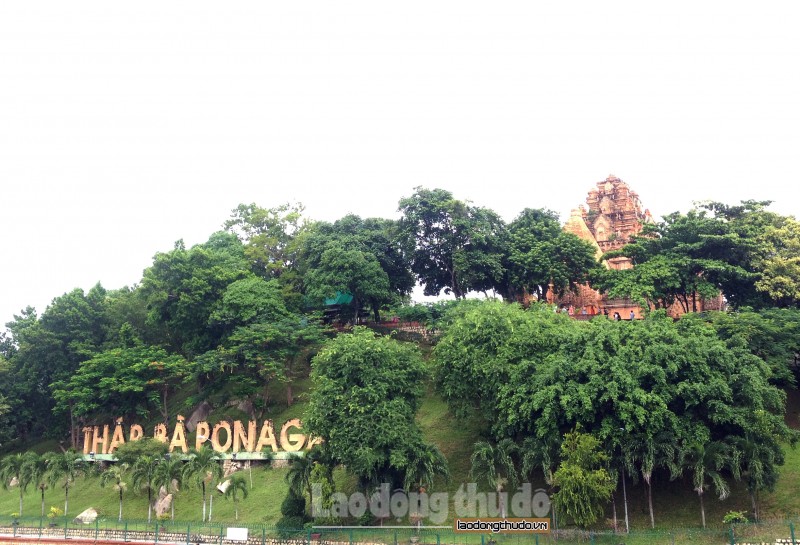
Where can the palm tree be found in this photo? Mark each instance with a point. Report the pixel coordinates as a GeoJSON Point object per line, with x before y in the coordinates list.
{"type": "Point", "coordinates": [65, 466]}
{"type": "Point", "coordinates": [427, 462]}
{"type": "Point", "coordinates": [168, 472]}
{"type": "Point", "coordinates": [704, 461]}
{"type": "Point", "coordinates": [13, 467]}
{"type": "Point", "coordinates": [36, 470]}
{"type": "Point", "coordinates": [650, 451]}
{"type": "Point", "coordinates": [238, 484]}
{"type": "Point", "coordinates": [115, 474]}
{"type": "Point", "coordinates": [494, 464]}
{"type": "Point", "coordinates": [543, 455]}
{"type": "Point", "coordinates": [756, 460]}
{"type": "Point", "coordinates": [143, 474]}
{"type": "Point", "coordinates": [204, 467]}
{"type": "Point", "coordinates": [299, 475]}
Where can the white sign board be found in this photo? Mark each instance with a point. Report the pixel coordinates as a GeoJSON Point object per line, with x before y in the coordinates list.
{"type": "Point", "coordinates": [237, 534]}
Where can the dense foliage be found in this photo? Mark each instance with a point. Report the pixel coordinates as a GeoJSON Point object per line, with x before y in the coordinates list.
{"type": "Point", "coordinates": [650, 391]}
{"type": "Point", "coordinates": [243, 314]}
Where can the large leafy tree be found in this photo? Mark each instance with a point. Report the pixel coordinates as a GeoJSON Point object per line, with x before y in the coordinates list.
{"type": "Point", "coordinates": [456, 247]}
{"type": "Point", "coordinates": [364, 257]}
{"type": "Point", "coordinates": [182, 288]}
{"type": "Point", "coordinates": [262, 341]}
{"type": "Point", "coordinates": [771, 334]}
{"type": "Point", "coordinates": [367, 391]}
{"type": "Point", "coordinates": [779, 263]}
{"type": "Point", "coordinates": [128, 382]}
{"type": "Point", "coordinates": [642, 388]}
{"type": "Point", "coordinates": [746, 253]}
{"type": "Point", "coordinates": [355, 272]}
{"type": "Point", "coordinates": [679, 260]}
{"type": "Point", "coordinates": [50, 349]}
{"type": "Point", "coordinates": [481, 345]}
{"type": "Point", "coordinates": [540, 252]}
{"type": "Point", "coordinates": [268, 235]}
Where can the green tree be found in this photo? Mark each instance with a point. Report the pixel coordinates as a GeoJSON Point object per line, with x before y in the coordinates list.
{"type": "Point", "coordinates": [705, 461]}
{"type": "Point", "coordinates": [238, 487]}
{"type": "Point", "coordinates": [169, 474]}
{"type": "Point", "coordinates": [115, 475]}
{"type": "Point", "coordinates": [130, 452]}
{"type": "Point", "coordinates": [541, 252]}
{"type": "Point", "coordinates": [371, 240]}
{"type": "Point", "coordinates": [204, 467]}
{"type": "Point", "coordinates": [183, 287]}
{"type": "Point", "coordinates": [268, 235]}
{"type": "Point", "coordinates": [773, 335]}
{"type": "Point", "coordinates": [584, 485]}
{"type": "Point", "coordinates": [144, 474]}
{"type": "Point", "coordinates": [13, 466]}
{"type": "Point", "coordinates": [366, 394]}
{"type": "Point", "coordinates": [483, 342]}
{"type": "Point", "coordinates": [122, 381]}
{"type": "Point", "coordinates": [648, 386]}
{"type": "Point", "coordinates": [64, 468]}
{"type": "Point", "coordinates": [456, 247]}
{"type": "Point", "coordinates": [494, 465]}
{"type": "Point", "coordinates": [427, 463]}
{"type": "Point", "coordinates": [298, 477]}
{"type": "Point", "coordinates": [779, 263]}
{"type": "Point", "coordinates": [262, 341]}
{"type": "Point", "coordinates": [71, 330]}
{"type": "Point", "coordinates": [355, 272]}
{"type": "Point", "coordinates": [36, 471]}
{"type": "Point", "coordinates": [677, 260]}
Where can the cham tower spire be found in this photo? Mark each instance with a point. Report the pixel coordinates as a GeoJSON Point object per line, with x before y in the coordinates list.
{"type": "Point", "coordinates": [613, 214]}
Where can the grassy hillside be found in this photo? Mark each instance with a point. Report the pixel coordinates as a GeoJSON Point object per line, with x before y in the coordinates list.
{"type": "Point", "coordinates": [675, 503]}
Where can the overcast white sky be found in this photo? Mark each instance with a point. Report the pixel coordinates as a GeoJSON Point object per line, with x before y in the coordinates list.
{"type": "Point", "coordinates": [125, 126]}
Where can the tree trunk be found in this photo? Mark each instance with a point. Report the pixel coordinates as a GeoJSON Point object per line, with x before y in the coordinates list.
{"type": "Point", "coordinates": [42, 489]}
{"type": "Point", "coordinates": [650, 504]}
{"type": "Point", "coordinates": [66, 500]}
{"type": "Point", "coordinates": [614, 510]}
{"type": "Point", "coordinates": [120, 505]}
{"type": "Point", "coordinates": [164, 412]}
{"type": "Point", "coordinates": [72, 435]}
{"type": "Point", "coordinates": [20, 498]}
{"type": "Point", "coordinates": [702, 509]}
{"type": "Point", "coordinates": [149, 503]}
{"type": "Point", "coordinates": [357, 305]}
{"type": "Point", "coordinates": [203, 484]}
{"type": "Point", "coordinates": [754, 503]}
{"type": "Point", "coordinates": [289, 395]}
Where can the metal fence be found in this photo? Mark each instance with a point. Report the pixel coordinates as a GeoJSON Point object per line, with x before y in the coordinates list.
{"type": "Point", "coordinates": [198, 533]}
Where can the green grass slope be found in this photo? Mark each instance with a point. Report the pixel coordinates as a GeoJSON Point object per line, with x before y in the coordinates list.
{"type": "Point", "coordinates": [675, 503]}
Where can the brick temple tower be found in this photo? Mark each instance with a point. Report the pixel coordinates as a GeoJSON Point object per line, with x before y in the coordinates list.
{"type": "Point", "coordinates": [612, 215]}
